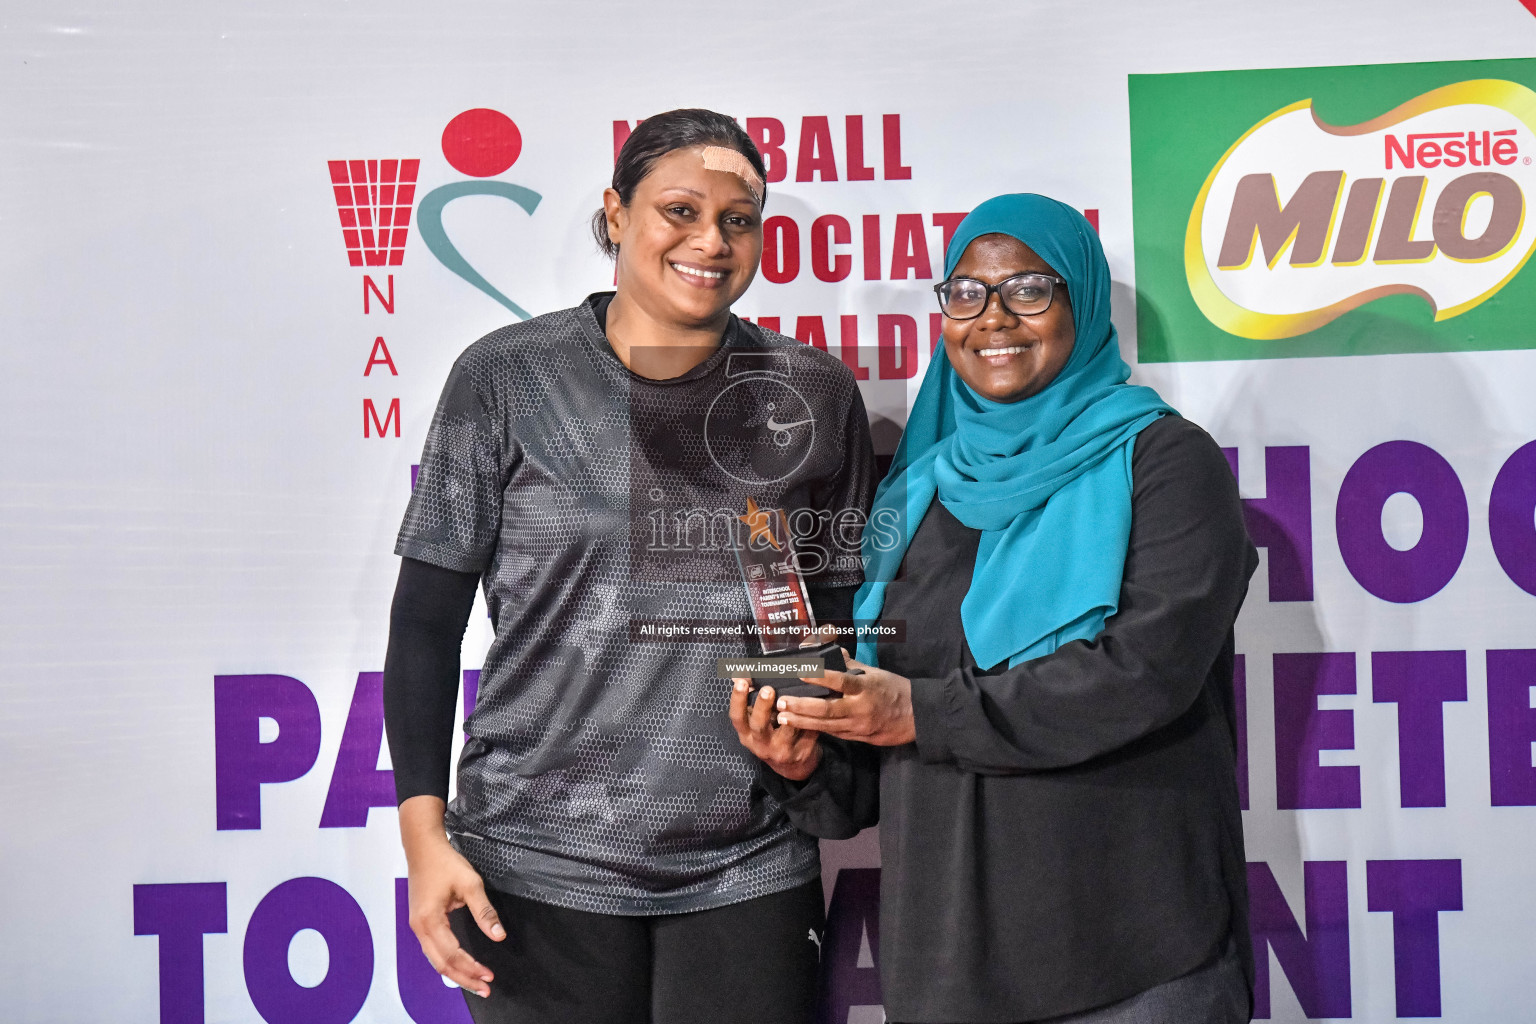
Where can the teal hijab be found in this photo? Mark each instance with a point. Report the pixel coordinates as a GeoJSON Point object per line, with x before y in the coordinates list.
{"type": "Point", "coordinates": [1047, 480]}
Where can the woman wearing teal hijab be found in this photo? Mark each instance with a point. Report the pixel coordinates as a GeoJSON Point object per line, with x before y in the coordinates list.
{"type": "Point", "coordinates": [1049, 737]}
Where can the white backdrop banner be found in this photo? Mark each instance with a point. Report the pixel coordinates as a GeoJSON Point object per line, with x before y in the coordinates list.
{"type": "Point", "coordinates": [244, 245]}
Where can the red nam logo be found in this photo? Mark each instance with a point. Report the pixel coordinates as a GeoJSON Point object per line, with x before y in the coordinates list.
{"type": "Point", "coordinates": [374, 200]}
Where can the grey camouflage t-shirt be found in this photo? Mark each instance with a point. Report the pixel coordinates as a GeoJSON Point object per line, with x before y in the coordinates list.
{"type": "Point", "coordinates": [601, 771]}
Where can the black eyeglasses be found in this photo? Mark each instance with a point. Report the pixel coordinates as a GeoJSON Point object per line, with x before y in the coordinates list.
{"type": "Point", "coordinates": [965, 298]}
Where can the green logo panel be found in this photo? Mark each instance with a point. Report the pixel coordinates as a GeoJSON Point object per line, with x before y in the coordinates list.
{"type": "Point", "coordinates": [1334, 211]}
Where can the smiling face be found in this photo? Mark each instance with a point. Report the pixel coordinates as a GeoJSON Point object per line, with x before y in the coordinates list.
{"type": "Point", "coordinates": [689, 240]}
{"type": "Point", "coordinates": [1001, 355]}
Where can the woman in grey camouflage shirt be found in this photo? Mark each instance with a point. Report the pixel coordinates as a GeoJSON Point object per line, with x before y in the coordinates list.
{"type": "Point", "coordinates": [609, 854]}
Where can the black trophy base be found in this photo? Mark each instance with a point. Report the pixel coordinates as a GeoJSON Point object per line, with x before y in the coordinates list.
{"type": "Point", "coordinates": [831, 656]}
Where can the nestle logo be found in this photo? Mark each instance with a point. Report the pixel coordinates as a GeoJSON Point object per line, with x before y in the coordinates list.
{"type": "Point", "coordinates": [1453, 149]}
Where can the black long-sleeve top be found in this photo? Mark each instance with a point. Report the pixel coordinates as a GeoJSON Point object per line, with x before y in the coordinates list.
{"type": "Point", "coordinates": [1065, 833]}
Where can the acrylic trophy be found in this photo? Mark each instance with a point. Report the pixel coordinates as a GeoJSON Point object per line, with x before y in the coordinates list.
{"type": "Point", "coordinates": [781, 609]}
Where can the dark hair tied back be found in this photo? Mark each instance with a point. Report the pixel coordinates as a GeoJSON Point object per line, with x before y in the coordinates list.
{"type": "Point", "coordinates": [659, 135]}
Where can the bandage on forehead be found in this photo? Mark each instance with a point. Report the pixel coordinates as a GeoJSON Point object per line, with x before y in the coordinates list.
{"type": "Point", "coordinates": [723, 158]}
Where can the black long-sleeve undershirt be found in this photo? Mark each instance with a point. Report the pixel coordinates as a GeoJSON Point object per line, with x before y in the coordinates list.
{"type": "Point", "coordinates": [421, 673]}
{"type": "Point", "coordinates": [427, 618]}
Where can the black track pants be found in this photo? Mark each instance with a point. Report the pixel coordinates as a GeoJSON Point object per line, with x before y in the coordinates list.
{"type": "Point", "coordinates": [753, 962]}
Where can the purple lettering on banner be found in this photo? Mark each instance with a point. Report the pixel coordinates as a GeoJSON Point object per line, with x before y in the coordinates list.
{"type": "Point", "coordinates": [293, 906]}
{"type": "Point", "coordinates": [1511, 728]}
{"type": "Point", "coordinates": [1302, 730]}
{"type": "Point", "coordinates": [853, 915]}
{"type": "Point", "coordinates": [422, 992]}
{"type": "Point", "coordinates": [242, 763]}
{"type": "Point", "coordinates": [1281, 521]}
{"type": "Point", "coordinates": [358, 783]}
{"type": "Point", "coordinates": [1317, 963]}
{"type": "Point", "coordinates": [1414, 892]}
{"type": "Point", "coordinates": [1512, 517]}
{"type": "Point", "coordinates": [1419, 683]}
{"type": "Point", "coordinates": [181, 914]}
{"type": "Point", "coordinates": [1240, 700]}
{"type": "Point", "coordinates": [471, 690]}
{"type": "Point", "coordinates": [1402, 467]}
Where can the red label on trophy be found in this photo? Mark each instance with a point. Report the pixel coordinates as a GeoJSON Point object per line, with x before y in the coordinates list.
{"type": "Point", "coordinates": [780, 608]}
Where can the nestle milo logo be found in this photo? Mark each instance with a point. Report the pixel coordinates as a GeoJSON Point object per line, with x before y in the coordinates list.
{"type": "Point", "coordinates": [1301, 221]}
